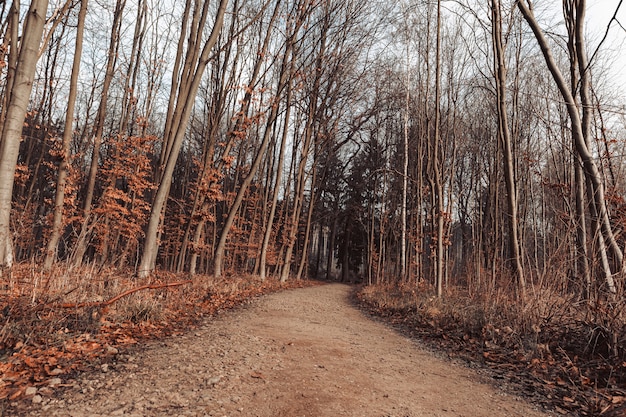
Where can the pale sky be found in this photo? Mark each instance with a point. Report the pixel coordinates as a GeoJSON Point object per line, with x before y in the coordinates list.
{"type": "Point", "coordinates": [599, 13]}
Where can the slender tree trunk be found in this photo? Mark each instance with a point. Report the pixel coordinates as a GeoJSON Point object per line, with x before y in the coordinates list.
{"type": "Point", "coordinates": [98, 129]}
{"type": "Point", "coordinates": [405, 162]}
{"type": "Point", "coordinates": [330, 256]}
{"type": "Point", "coordinates": [57, 222]}
{"type": "Point", "coordinates": [186, 102]}
{"type": "Point", "coordinates": [405, 171]}
{"type": "Point", "coordinates": [307, 231]}
{"type": "Point", "coordinates": [504, 137]}
{"type": "Point", "coordinates": [14, 122]}
{"type": "Point", "coordinates": [580, 221]}
{"type": "Point", "coordinates": [10, 42]}
{"type": "Point", "coordinates": [437, 180]}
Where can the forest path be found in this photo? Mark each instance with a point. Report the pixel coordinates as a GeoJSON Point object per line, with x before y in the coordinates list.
{"type": "Point", "coordinates": [304, 352]}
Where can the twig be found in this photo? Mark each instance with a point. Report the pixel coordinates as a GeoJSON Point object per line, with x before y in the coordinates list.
{"type": "Point", "coordinates": [124, 294]}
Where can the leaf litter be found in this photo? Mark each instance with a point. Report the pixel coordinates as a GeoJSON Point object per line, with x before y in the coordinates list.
{"type": "Point", "coordinates": [56, 334]}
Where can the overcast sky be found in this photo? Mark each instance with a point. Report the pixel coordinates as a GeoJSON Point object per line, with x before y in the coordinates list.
{"type": "Point", "coordinates": [599, 15]}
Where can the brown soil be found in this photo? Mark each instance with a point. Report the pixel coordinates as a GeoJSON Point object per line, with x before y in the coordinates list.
{"type": "Point", "coordinates": [304, 352]}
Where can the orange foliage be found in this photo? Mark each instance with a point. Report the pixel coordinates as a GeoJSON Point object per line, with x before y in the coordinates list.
{"type": "Point", "coordinates": [66, 334]}
{"type": "Point", "coordinates": [127, 175]}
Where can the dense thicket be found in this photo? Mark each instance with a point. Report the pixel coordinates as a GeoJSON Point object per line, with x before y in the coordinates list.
{"type": "Point", "coordinates": [320, 138]}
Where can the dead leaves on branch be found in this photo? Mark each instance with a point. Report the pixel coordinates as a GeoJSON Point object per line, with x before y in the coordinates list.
{"type": "Point", "coordinates": [44, 341]}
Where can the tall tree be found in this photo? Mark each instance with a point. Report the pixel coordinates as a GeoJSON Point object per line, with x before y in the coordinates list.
{"type": "Point", "coordinates": [504, 136]}
{"type": "Point", "coordinates": [579, 134]}
{"type": "Point", "coordinates": [437, 181]}
{"type": "Point", "coordinates": [68, 130]}
{"type": "Point", "coordinates": [14, 121]}
{"type": "Point", "coordinates": [194, 69]}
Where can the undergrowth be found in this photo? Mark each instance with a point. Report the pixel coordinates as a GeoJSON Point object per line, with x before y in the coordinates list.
{"type": "Point", "coordinates": [567, 354]}
{"type": "Point", "coordinates": [54, 324]}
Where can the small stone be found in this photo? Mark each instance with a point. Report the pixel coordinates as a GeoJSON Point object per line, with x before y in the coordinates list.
{"type": "Point", "coordinates": [111, 350]}
{"type": "Point", "coordinates": [37, 399]}
{"type": "Point", "coordinates": [55, 381]}
{"type": "Point", "coordinates": [30, 391]}
{"type": "Point", "coordinates": [104, 367]}
{"type": "Point", "coordinates": [57, 371]}
{"type": "Point", "coordinates": [214, 380]}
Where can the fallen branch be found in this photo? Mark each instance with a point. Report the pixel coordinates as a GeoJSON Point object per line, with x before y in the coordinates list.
{"type": "Point", "coordinates": [124, 294]}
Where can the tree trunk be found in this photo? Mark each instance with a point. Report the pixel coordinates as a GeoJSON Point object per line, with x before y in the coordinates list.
{"type": "Point", "coordinates": [57, 223]}
{"type": "Point", "coordinates": [591, 169]}
{"type": "Point", "coordinates": [437, 183]}
{"type": "Point", "coordinates": [186, 102]}
{"type": "Point", "coordinates": [14, 122]}
{"type": "Point", "coordinates": [504, 137]}
{"type": "Point", "coordinates": [305, 246]}
{"type": "Point", "coordinates": [580, 221]}
{"type": "Point", "coordinates": [10, 43]}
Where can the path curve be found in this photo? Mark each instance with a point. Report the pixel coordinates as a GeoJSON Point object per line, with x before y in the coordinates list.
{"type": "Point", "coordinates": [304, 352]}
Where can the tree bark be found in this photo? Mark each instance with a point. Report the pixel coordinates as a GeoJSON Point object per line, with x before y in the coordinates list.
{"type": "Point", "coordinates": [591, 169]}
{"type": "Point", "coordinates": [59, 199]}
{"type": "Point", "coordinates": [10, 42]}
{"type": "Point", "coordinates": [437, 183]}
{"type": "Point", "coordinates": [504, 136]}
{"type": "Point", "coordinates": [14, 122]}
{"type": "Point", "coordinates": [185, 105]}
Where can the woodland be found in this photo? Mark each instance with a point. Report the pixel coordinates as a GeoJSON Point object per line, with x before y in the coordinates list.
{"type": "Point", "coordinates": [463, 160]}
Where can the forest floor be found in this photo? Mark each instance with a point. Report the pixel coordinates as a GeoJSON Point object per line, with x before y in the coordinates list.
{"type": "Point", "coordinates": [300, 352]}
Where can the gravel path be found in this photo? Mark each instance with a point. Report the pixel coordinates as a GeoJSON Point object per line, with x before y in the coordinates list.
{"type": "Point", "coordinates": [305, 352]}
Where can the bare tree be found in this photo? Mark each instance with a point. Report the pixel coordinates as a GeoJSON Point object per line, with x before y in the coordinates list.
{"type": "Point", "coordinates": [504, 136]}
{"type": "Point", "coordinates": [578, 126]}
{"type": "Point", "coordinates": [194, 69]}
{"type": "Point", "coordinates": [68, 130]}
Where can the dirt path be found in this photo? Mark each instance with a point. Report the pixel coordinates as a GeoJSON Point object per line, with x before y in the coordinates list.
{"type": "Point", "coordinates": [304, 352]}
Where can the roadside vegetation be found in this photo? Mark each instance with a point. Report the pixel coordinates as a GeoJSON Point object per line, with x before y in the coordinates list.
{"type": "Point", "coordinates": [54, 325]}
{"type": "Point", "coordinates": [569, 356]}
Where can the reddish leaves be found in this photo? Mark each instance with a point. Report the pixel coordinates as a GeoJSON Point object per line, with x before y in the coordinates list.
{"type": "Point", "coordinates": [552, 363]}
{"type": "Point", "coordinates": [53, 339]}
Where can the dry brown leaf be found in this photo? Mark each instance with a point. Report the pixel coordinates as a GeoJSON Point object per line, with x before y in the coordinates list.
{"type": "Point", "coordinates": [30, 362]}
{"type": "Point", "coordinates": [618, 399]}
{"type": "Point", "coordinates": [16, 394]}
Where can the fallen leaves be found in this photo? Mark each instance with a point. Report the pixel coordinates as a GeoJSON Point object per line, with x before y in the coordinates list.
{"type": "Point", "coordinates": [552, 363]}
{"type": "Point", "coordinates": [45, 343]}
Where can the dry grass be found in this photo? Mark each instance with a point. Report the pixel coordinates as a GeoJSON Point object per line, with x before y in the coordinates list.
{"type": "Point", "coordinates": [62, 318]}
{"type": "Point", "coordinates": [572, 352]}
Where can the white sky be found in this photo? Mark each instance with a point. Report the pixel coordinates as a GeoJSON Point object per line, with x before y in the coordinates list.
{"type": "Point", "coordinates": [613, 51]}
